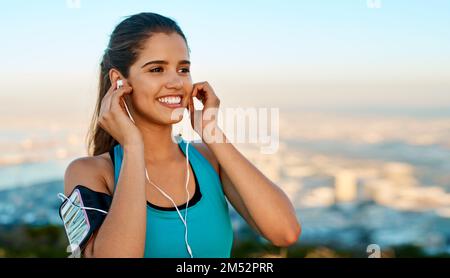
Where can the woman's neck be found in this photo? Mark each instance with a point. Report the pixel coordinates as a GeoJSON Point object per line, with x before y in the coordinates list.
{"type": "Point", "coordinates": [158, 143]}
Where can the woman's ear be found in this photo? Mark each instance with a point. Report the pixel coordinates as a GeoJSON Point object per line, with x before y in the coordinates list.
{"type": "Point", "coordinates": [115, 75]}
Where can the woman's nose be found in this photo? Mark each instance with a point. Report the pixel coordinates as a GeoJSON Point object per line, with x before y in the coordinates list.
{"type": "Point", "coordinates": [174, 82]}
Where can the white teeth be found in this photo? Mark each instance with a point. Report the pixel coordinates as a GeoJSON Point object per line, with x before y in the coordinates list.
{"type": "Point", "coordinates": [170, 100]}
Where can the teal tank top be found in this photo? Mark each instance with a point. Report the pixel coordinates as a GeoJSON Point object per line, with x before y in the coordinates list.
{"type": "Point", "coordinates": [210, 232]}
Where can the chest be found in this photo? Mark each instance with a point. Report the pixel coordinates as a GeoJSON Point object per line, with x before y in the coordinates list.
{"type": "Point", "coordinates": [171, 181]}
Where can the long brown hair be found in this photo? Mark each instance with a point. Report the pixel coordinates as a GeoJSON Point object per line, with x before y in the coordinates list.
{"type": "Point", "coordinates": [123, 49]}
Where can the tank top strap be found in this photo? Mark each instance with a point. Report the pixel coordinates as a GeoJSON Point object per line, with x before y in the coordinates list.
{"type": "Point", "coordinates": [117, 162]}
{"type": "Point", "coordinates": [205, 171]}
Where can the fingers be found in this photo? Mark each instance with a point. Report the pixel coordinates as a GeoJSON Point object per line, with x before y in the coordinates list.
{"type": "Point", "coordinates": [110, 93]}
{"type": "Point", "coordinates": [198, 87]}
{"type": "Point", "coordinates": [205, 93]}
{"type": "Point", "coordinates": [191, 110]}
{"type": "Point", "coordinates": [112, 98]}
{"type": "Point", "coordinates": [119, 93]}
{"type": "Point", "coordinates": [191, 104]}
{"type": "Point", "coordinates": [199, 91]}
{"type": "Point", "coordinates": [106, 100]}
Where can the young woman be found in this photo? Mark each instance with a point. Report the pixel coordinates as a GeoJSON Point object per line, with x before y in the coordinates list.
{"type": "Point", "coordinates": [149, 53]}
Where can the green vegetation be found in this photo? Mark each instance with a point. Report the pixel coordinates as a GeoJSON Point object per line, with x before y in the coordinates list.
{"type": "Point", "coordinates": [33, 241]}
{"type": "Point", "coordinates": [50, 241]}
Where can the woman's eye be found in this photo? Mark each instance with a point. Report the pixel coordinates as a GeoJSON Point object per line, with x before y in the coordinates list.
{"type": "Point", "coordinates": [156, 69]}
{"type": "Point", "coordinates": [159, 69]}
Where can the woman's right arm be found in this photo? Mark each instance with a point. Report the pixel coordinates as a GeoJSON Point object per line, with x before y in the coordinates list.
{"type": "Point", "coordinates": [122, 233]}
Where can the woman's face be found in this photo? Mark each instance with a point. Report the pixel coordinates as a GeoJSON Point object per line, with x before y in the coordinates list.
{"type": "Point", "coordinates": [160, 75]}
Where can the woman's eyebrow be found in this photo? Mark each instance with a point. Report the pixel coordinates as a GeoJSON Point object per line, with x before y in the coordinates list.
{"type": "Point", "coordinates": [165, 62]}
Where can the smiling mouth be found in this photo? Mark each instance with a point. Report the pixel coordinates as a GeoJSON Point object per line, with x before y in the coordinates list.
{"type": "Point", "coordinates": [170, 101]}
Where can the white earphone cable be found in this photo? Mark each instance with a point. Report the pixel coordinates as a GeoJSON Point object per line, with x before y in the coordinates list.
{"type": "Point", "coordinates": [63, 198]}
{"type": "Point", "coordinates": [184, 220]}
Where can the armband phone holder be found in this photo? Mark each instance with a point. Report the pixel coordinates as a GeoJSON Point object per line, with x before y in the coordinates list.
{"type": "Point", "coordinates": [82, 213]}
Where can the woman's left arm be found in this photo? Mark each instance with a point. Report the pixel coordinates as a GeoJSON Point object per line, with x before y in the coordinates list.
{"type": "Point", "coordinates": [261, 202]}
{"type": "Point", "coordinates": [255, 196]}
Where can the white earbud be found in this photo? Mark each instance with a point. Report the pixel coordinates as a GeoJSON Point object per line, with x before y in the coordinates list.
{"type": "Point", "coordinates": [120, 85]}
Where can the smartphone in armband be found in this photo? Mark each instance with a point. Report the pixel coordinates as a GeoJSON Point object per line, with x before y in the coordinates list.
{"type": "Point", "coordinates": [82, 213]}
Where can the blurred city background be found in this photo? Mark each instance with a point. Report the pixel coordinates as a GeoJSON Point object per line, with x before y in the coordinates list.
{"type": "Point", "coordinates": [362, 87]}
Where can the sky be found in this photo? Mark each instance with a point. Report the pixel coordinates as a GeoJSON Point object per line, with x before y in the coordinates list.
{"type": "Point", "coordinates": [312, 55]}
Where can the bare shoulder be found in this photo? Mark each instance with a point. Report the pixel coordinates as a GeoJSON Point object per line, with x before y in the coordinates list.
{"type": "Point", "coordinates": [94, 172]}
{"type": "Point", "coordinates": [207, 153]}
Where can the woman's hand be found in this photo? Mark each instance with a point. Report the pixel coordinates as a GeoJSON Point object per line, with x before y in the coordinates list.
{"type": "Point", "coordinates": [114, 119]}
{"type": "Point", "coordinates": [204, 122]}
